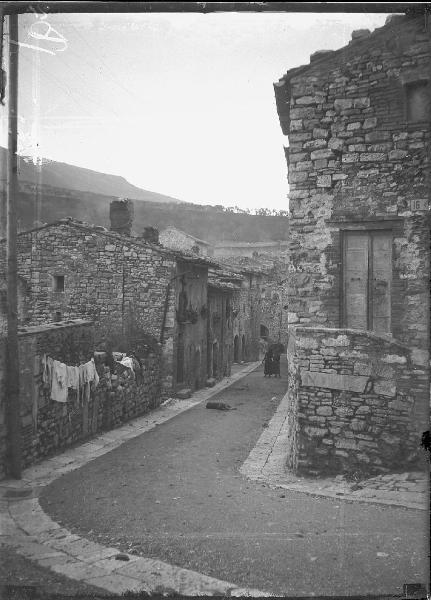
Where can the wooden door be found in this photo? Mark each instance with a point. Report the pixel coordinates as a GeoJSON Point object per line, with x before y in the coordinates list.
{"type": "Point", "coordinates": [381, 279]}
{"type": "Point", "coordinates": [367, 280]}
{"type": "Point", "coordinates": [356, 280]}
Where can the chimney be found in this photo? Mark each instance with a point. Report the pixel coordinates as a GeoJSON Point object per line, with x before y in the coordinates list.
{"type": "Point", "coordinates": [360, 34]}
{"type": "Point", "coordinates": [150, 235]}
{"type": "Point", "coordinates": [121, 215]}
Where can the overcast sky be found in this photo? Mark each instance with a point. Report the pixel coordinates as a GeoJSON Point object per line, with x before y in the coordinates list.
{"type": "Point", "coordinates": [180, 104]}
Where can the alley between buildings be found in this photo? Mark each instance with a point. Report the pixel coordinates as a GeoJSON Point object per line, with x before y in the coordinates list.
{"type": "Point", "coordinates": [175, 493]}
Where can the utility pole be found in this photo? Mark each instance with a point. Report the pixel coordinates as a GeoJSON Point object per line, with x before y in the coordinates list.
{"type": "Point", "coordinates": [12, 387]}
{"type": "Point", "coordinates": [3, 210]}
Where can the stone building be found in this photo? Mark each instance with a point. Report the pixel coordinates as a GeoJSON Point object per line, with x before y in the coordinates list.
{"type": "Point", "coordinates": [358, 123]}
{"type": "Point", "coordinates": [272, 272]}
{"type": "Point", "coordinates": [127, 286]}
{"type": "Point", "coordinates": [244, 284]}
{"type": "Point", "coordinates": [174, 238]}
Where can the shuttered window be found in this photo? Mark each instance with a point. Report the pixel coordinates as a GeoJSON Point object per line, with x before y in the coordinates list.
{"type": "Point", "coordinates": [367, 279]}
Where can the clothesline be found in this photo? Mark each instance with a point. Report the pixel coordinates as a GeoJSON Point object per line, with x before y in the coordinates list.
{"type": "Point", "coordinates": [59, 378]}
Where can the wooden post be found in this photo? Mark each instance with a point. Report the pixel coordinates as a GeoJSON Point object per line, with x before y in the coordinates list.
{"type": "Point", "coordinates": [3, 209]}
{"type": "Point", "coordinates": [12, 388]}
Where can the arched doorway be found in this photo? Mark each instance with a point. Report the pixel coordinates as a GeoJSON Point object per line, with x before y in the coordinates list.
{"type": "Point", "coordinates": [236, 349]}
{"type": "Point", "coordinates": [264, 332]}
{"type": "Point", "coordinates": [243, 349]}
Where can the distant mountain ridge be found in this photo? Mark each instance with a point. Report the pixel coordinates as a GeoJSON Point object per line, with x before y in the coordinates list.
{"type": "Point", "coordinates": [62, 194]}
{"type": "Point", "coordinates": [62, 175]}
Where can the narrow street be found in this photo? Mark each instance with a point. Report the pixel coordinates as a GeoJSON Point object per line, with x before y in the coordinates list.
{"type": "Point", "coordinates": [175, 493]}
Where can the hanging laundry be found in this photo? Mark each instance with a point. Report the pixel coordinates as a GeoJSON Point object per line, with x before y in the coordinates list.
{"type": "Point", "coordinates": [87, 374]}
{"type": "Point", "coordinates": [127, 361]}
{"type": "Point", "coordinates": [59, 382]}
{"type": "Point", "coordinates": [72, 377]}
{"type": "Point", "coordinates": [47, 369]}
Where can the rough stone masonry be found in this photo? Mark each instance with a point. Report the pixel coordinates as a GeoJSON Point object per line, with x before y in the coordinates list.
{"type": "Point", "coordinates": [358, 122]}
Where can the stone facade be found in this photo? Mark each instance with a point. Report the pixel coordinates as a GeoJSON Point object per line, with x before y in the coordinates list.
{"type": "Point", "coordinates": [359, 129]}
{"type": "Point", "coordinates": [273, 273]}
{"type": "Point", "coordinates": [125, 285]}
{"type": "Point", "coordinates": [247, 311]}
{"type": "Point", "coordinates": [358, 402]}
{"type": "Point", "coordinates": [49, 427]}
{"type": "Point", "coordinates": [74, 270]}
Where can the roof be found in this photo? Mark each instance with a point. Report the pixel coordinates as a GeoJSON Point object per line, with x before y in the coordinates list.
{"type": "Point", "coordinates": [186, 234]}
{"type": "Point", "coordinates": [99, 230]}
{"type": "Point", "coordinates": [221, 285]}
{"type": "Point", "coordinates": [250, 244]}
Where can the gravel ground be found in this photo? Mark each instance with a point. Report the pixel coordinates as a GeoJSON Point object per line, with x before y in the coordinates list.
{"type": "Point", "coordinates": [175, 493]}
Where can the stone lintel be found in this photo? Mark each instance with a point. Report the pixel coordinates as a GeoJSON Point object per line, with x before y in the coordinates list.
{"type": "Point", "coordinates": [352, 383]}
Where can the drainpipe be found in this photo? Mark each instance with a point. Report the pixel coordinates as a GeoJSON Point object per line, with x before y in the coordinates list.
{"type": "Point", "coordinates": [12, 379]}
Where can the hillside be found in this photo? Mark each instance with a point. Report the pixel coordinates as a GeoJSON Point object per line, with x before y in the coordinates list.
{"type": "Point", "coordinates": [62, 194]}
{"type": "Point", "coordinates": [61, 175]}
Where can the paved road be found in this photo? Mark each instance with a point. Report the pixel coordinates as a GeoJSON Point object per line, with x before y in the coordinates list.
{"type": "Point", "coordinates": [175, 493]}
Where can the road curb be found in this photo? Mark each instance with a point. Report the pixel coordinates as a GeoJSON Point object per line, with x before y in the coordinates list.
{"type": "Point", "coordinates": [33, 534]}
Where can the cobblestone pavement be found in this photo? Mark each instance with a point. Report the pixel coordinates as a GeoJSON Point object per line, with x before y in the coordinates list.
{"type": "Point", "coordinates": [30, 532]}
{"type": "Point", "coordinates": [266, 463]}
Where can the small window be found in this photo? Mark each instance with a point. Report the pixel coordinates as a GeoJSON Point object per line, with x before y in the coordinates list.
{"type": "Point", "coordinates": [417, 101]}
{"type": "Point", "coordinates": [58, 283]}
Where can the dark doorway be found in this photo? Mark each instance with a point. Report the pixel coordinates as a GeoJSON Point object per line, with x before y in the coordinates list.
{"type": "Point", "coordinates": [243, 349]}
{"type": "Point", "coordinates": [236, 349]}
{"type": "Point", "coordinates": [180, 358]}
{"type": "Point", "coordinates": [215, 359]}
{"type": "Point", "coordinates": [264, 333]}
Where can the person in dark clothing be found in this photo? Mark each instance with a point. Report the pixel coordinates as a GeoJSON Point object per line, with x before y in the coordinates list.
{"type": "Point", "coordinates": [276, 364]}
{"type": "Point", "coordinates": [267, 363]}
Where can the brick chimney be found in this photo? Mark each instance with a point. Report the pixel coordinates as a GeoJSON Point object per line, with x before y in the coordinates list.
{"type": "Point", "coordinates": [150, 235]}
{"type": "Point", "coordinates": [121, 215]}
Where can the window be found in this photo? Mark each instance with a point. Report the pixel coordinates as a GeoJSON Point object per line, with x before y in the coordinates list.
{"type": "Point", "coordinates": [417, 101]}
{"type": "Point", "coordinates": [58, 283]}
{"type": "Point", "coordinates": [367, 280]}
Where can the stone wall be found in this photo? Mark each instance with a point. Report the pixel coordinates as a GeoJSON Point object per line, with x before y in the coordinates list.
{"type": "Point", "coordinates": [358, 402]}
{"type": "Point", "coordinates": [358, 160]}
{"type": "Point", "coordinates": [121, 284]}
{"type": "Point", "coordinates": [49, 427]}
{"type": "Point", "coordinates": [274, 273]}
{"type": "Point", "coordinates": [246, 305]}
